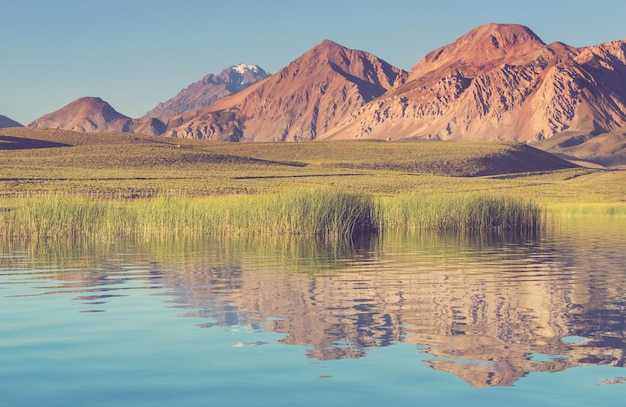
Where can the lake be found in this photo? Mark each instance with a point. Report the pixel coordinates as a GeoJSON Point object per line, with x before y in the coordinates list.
{"type": "Point", "coordinates": [426, 320]}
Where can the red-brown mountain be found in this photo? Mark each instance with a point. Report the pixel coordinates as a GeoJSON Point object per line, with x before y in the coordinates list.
{"type": "Point", "coordinates": [210, 89]}
{"type": "Point", "coordinates": [500, 81]}
{"type": "Point", "coordinates": [85, 115]}
{"type": "Point", "coordinates": [7, 122]}
{"type": "Point", "coordinates": [309, 97]}
{"type": "Point", "coordinates": [497, 82]}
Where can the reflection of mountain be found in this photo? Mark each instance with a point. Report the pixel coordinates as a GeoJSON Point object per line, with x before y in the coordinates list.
{"type": "Point", "coordinates": [482, 309]}
{"type": "Point", "coordinates": [489, 311]}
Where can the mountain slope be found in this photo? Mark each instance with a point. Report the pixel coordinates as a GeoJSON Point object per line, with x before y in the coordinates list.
{"type": "Point", "coordinates": [210, 89]}
{"type": "Point", "coordinates": [85, 115]}
{"type": "Point", "coordinates": [500, 81]}
{"type": "Point", "coordinates": [7, 122]}
{"type": "Point", "coordinates": [309, 97]}
{"type": "Point", "coordinates": [606, 149]}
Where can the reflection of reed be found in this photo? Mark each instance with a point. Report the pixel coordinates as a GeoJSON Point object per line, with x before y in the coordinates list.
{"type": "Point", "coordinates": [295, 253]}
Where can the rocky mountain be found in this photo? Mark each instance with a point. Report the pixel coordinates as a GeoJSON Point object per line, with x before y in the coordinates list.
{"type": "Point", "coordinates": [7, 122]}
{"type": "Point", "coordinates": [497, 82]}
{"type": "Point", "coordinates": [500, 81]}
{"type": "Point", "coordinates": [210, 89]}
{"type": "Point", "coordinates": [86, 114]}
{"type": "Point", "coordinates": [309, 97]}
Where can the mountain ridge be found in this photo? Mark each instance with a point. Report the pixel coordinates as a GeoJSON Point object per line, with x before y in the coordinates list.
{"type": "Point", "coordinates": [496, 82]}
{"type": "Point", "coordinates": [309, 96]}
{"type": "Point", "coordinates": [526, 97]}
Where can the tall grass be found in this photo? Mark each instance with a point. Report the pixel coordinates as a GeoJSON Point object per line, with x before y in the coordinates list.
{"type": "Point", "coordinates": [321, 212]}
{"type": "Point", "coordinates": [458, 213]}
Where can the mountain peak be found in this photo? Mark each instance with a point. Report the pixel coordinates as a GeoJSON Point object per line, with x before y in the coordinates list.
{"type": "Point", "coordinates": [481, 49]}
{"type": "Point", "coordinates": [329, 50]}
{"type": "Point", "coordinates": [243, 68]}
{"type": "Point", "coordinates": [83, 115]}
{"type": "Point", "coordinates": [328, 43]}
{"type": "Point", "coordinates": [504, 34]}
{"type": "Point", "coordinates": [323, 50]}
{"type": "Point", "coordinates": [210, 89]}
{"type": "Point", "coordinates": [90, 103]}
{"type": "Point", "coordinates": [88, 106]}
{"type": "Point", "coordinates": [238, 77]}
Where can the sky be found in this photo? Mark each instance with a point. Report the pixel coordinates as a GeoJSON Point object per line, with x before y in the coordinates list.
{"type": "Point", "coordinates": [137, 53]}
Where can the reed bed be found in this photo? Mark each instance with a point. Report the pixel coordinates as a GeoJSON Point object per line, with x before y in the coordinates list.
{"type": "Point", "coordinates": [321, 212]}
{"type": "Point", "coordinates": [458, 213]}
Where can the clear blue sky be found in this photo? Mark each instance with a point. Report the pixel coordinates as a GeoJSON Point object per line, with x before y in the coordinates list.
{"type": "Point", "coordinates": [137, 53]}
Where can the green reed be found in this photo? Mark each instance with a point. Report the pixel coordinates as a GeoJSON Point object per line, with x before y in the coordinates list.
{"type": "Point", "coordinates": [321, 212]}
{"type": "Point", "coordinates": [458, 213]}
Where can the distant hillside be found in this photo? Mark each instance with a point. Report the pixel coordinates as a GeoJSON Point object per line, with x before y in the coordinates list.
{"type": "Point", "coordinates": [7, 122]}
{"type": "Point", "coordinates": [85, 115]}
{"type": "Point", "coordinates": [210, 89]}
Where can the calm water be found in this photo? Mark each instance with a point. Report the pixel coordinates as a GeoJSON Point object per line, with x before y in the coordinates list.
{"type": "Point", "coordinates": [429, 321]}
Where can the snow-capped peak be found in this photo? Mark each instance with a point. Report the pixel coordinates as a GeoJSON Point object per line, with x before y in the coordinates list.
{"type": "Point", "coordinates": [243, 68]}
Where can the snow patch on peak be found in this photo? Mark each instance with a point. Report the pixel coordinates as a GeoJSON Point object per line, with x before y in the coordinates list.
{"type": "Point", "coordinates": [243, 68]}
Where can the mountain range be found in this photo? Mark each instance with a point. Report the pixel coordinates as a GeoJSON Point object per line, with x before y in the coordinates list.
{"type": "Point", "coordinates": [308, 98]}
{"type": "Point", "coordinates": [497, 82]}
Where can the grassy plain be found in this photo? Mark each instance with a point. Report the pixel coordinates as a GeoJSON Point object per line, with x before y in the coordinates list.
{"type": "Point", "coordinates": [37, 163]}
